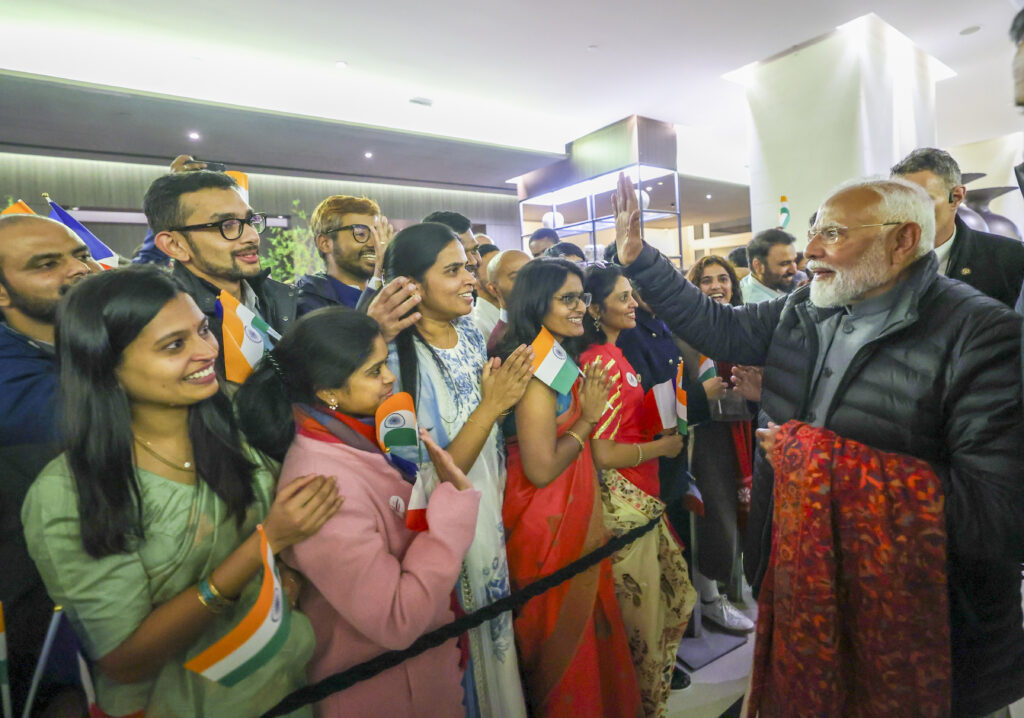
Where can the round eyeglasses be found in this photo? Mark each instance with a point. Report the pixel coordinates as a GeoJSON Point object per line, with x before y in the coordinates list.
{"type": "Point", "coordinates": [360, 232]}
{"type": "Point", "coordinates": [230, 228]}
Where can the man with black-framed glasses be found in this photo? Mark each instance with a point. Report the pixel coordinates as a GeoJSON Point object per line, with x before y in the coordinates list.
{"type": "Point", "coordinates": [202, 221]}
{"type": "Point", "coordinates": [350, 235]}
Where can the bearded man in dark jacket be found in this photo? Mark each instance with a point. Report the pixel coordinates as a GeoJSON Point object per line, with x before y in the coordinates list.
{"type": "Point", "coordinates": [883, 350]}
{"type": "Point", "coordinates": [40, 259]}
{"type": "Point", "coordinates": [203, 222]}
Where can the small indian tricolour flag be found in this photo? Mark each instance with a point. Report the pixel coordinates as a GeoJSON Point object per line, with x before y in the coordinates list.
{"type": "Point", "coordinates": [5, 683]}
{"type": "Point", "coordinates": [783, 212]}
{"type": "Point", "coordinates": [551, 364]}
{"type": "Point", "coordinates": [396, 428]}
{"type": "Point", "coordinates": [246, 337]}
{"type": "Point", "coordinates": [104, 255]}
{"type": "Point", "coordinates": [259, 636]}
{"type": "Point", "coordinates": [706, 369]}
{"type": "Point", "coordinates": [682, 419]}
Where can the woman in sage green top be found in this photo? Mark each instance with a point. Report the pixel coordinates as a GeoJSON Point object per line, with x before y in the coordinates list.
{"type": "Point", "coordinates": [167, 558]}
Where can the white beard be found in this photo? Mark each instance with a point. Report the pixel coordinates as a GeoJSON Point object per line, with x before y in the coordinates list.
{"type": "Point", "coordinates": [848, 285]}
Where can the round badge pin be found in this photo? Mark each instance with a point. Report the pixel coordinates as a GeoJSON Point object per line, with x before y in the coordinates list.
{"type": "Point", "coordinates": [397, 505]}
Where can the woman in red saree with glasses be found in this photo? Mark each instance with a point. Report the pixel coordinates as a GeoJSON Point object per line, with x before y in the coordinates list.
{"type": "Point", "coordinates": [572, 644]}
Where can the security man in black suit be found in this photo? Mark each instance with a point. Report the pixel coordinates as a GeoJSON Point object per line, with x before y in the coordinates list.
{"type": "Point", "coordinates": [991, 264]}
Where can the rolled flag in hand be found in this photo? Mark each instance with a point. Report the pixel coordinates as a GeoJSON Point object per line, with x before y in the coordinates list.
{"type": "Point", "coordinates": [682, 419]}
{"type": "Point", "coordinates": [783, 212]}
{"type": "Point", "coordinates": [246, 337]}
{"type": "Point", "coordinates": [396, 422]}
{"type": "Point", "coordinates": [103, 254]}
{"type": "Point", "coordinates": [397, 430]}
{"type": "Point", "coordinates": [257, 638]}
{"type": "Point", "coordinates": [551, 363]}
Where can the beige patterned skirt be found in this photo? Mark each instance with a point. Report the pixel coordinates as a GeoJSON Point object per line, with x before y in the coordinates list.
{"type": "Point", "coordinates": [653, 587]}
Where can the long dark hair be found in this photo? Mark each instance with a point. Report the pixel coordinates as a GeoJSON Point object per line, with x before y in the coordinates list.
{"type": "Point", "coordinates": [97, 320]}
{"type": "Point", "coordinates": [599, 283]}
{"type": "Point", "coordinates": [320, 351]}
{"type": "Point", "coordinates": [697, 271]}
{"type": "Point", "coordinates": [410, 254]}
{"type": "Point", "coordinates": [532, 294]}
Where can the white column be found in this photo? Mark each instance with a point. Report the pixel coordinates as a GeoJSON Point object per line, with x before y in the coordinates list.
{"type": "Point", "coordinates": [846, 105]}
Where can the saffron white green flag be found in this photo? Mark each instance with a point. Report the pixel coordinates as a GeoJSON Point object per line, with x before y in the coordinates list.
{"type": "Point", "coordinates": [682, 415]}
{"type": "Point", "coordinates": [246, 336]}
{"type": "Point", "coordinates": [396, 427]}
{"type": "Point", "coordinates": [257, 638]}
{"type": "Point", "coordinates": [706, 369]}
{"type": "Point", "coordinates": [551, 364]}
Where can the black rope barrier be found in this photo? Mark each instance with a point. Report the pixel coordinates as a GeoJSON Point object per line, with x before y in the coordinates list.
{"type": "Point", "coordinates": [368, 669]}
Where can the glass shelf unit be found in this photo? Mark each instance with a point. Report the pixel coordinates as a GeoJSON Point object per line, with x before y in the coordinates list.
{"type": "Point", "coordinates": [585, 211]}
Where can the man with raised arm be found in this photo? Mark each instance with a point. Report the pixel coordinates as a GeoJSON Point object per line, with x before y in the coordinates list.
{"type": "Point", "coordinates": [885, 359]}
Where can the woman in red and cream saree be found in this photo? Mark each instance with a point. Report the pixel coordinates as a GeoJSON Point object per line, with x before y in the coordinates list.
{"type": "Point", "coordinates": [572, 644]}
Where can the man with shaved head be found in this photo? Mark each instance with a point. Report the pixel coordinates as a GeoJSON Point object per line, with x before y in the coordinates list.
{"type": "Point", "coordinates": [501, 278]}
{"type": "Point", "coordinates": [487, 309]}
{"type": "Point", "coordinates": [40, 259]}
{"type": "Point", "coordinates": [892, 461]}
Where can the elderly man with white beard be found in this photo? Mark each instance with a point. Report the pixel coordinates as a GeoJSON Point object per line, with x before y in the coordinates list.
{"type": "Point", "coordinates": [912, 381]}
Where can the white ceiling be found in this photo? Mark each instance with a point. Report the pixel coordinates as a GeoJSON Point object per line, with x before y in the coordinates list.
{"type": "Point", "coordinates": [520, 74]}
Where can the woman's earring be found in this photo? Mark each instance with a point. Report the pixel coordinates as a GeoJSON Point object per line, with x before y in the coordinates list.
{"type": "Point", "coordinates": [597, 324]}
{"type": "Point", "coordinates": [333, 403]}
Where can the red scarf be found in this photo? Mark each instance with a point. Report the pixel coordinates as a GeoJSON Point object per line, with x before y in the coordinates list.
{"type": "Point", "coordinates": [853, 615]}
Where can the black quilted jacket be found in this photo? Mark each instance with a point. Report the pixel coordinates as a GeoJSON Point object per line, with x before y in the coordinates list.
{"type": "Point", "coordinates": [943, 384]}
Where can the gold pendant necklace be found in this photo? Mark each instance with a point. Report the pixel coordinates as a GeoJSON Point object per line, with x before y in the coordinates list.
{"type": "Point", "coordinates": [187, 466]}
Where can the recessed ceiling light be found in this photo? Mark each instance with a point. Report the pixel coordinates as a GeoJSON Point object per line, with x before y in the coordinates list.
{"type": "Point", "coordinates": [648, 188]}
{"type": "Point", "coordinates": [340, 64]}
{"type": "Point", "coordinates": [193, 135]}
{"type": "Point", "coordinates": [368, 155]}
{"type": "Point", "coordinates": [970, 30]}
{"type": "Point", "coordinates": [660, 183]}
{"type": "Point", "coordinates": [707, 196]}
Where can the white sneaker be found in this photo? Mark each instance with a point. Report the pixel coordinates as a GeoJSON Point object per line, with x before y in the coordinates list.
{"type": "Point", "coordinates": [724, 614]}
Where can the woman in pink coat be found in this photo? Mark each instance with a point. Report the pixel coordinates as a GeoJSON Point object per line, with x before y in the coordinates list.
{"type": "Point", "coordinates": [373, 585]}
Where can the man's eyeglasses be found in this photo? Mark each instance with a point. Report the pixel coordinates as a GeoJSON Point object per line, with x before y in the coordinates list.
{"type": "Point", "coordinates": [232, 227]}
{"type": "Point", "coordinates": [360, 232]}
{"type": "Point", "coordinates": [570, 300]}
{"type": "Point", "coordinates": [831, 235]}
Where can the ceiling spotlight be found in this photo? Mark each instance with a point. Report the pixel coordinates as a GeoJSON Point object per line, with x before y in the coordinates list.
{"type": "Point", "coordinates": [193, 135]}
{"type": "Point", "coordinates": [368, 155]}
{"type": "Point", "coordinates": [648, 188]}
{"type": "Point", "coordinates": [340, 65]}
{"type": "Point", "coordinates": [970, 30]}
{"type": "Point", "coordinates": [660, 183]}
{"type": "Point", "coordinates": [707, 196]}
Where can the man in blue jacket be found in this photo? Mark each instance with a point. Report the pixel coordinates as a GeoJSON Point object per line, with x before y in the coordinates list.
{"type": "Point", "coordinates": [40, 259]}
